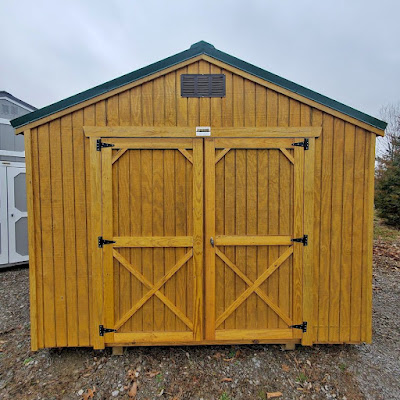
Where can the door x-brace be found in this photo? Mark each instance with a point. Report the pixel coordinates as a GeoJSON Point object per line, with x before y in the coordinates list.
{"type": "Point", "coordinates": [154, 289]}
{"type": "Point", "coordinates": [254, 286]}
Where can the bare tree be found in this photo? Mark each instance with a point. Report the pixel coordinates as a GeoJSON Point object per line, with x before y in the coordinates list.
{"type": "Point", "coordinates": [389, 145]}
{"type": "Point", "coordinates": [387, 172]}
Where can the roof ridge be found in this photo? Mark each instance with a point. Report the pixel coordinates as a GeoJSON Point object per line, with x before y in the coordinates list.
{"type": "Point", "coordinates": [24, 103]}
{"type": "Point", "coordinates": [202, 44]}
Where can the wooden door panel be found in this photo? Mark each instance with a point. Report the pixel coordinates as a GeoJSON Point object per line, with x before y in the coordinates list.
{"type": "Point", "coordinates": [152, 211]}
{"type": "Point", "coordinates": [251, 194]}
{"type": "Point", "coordinates": [260, 207]}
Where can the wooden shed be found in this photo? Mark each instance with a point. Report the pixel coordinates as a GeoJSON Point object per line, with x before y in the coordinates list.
{"type": "Point", "coordinates": [199, 200]}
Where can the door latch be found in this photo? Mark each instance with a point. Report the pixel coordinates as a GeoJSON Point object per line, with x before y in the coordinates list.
{"type": "Point", "coordinates": [212, 242]}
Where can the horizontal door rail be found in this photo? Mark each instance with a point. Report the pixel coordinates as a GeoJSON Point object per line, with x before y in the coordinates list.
{"type": "Point", "coordinates": [143, 143]}
{"type": "Point", "coordinates": [253, 143]}
{"type": "Point", "coordinates": [153, 337]}
{"type": "Point", "coordinates": [234, 240]}
{"type": "Point", "coordinates": [153, 241]}
{"type": "Point", "coordinates": [253, 334]}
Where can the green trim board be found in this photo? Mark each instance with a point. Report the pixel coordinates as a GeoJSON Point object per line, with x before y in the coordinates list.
{"type": "Point", "coordinates": [195, 50]}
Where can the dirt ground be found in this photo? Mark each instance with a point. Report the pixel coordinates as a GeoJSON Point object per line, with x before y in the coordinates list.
{"type": "Point", "coordinates": [221, 373]}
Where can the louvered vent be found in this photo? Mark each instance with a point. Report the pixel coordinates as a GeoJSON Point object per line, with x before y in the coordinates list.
{"type": "Point", "coordinates": [207, 85]}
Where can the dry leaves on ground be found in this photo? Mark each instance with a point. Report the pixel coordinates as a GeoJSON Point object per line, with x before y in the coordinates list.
{"type": "Point", "coordinates": [385, 249]}
{"type": "Point", "coordinates": [285, 367]}
{"type": "Point", "coordinates": [274, 395]}
{"type": "Point", "coordinates": [133, 392]}
{"type": "Point", "coordinates": [152, 374]}
{"type": "Point", "coordinates": [89, 394]}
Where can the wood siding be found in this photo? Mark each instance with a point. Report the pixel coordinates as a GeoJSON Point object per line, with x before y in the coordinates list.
{"type": "Point", "coordinates": [60, 206]}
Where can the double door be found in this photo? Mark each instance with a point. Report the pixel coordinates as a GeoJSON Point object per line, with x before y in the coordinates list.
{"type": "Point", "coordinates": [201, 236]}
{"type": "Point", "coordinates": [13, 214]}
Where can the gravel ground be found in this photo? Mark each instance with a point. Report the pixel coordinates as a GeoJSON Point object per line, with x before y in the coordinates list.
{"type": "Point", "coordinates": [218, 372]}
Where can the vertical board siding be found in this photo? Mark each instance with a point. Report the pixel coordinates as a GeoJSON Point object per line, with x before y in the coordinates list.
{"type": "Point", "coordinates": [343, 198]}
{"type": "Point", "coordinates": [33, 296]}
{"type": "Point", "coordinates": [70, 222]}
{"type": "Point", "coordinates": [58, 228]}
{"type": "Point", "coordinates": [88, 120]}
{"type": "Point", "coordinates": [347, 232]}
{"type": "Point", "coordinates": [46, 223]}
{"type": "Point", "coordinates": [38, 236]}
{"type": "Point", "coordinates": [366, 319]}
{"type": "Point", "coordinates": [316, 120]}
{"type": "Point", "coordinates": [336, 229]}
{"type": "Point", "coordinates": [357, 247]}
{"type": "Point", "coordinates": [325, 233]}
{"type": "Point", "coordinates": [81, 231]}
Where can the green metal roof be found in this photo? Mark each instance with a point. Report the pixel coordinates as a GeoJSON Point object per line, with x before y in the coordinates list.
{"type": "Point", "coordinates": [196, 50]}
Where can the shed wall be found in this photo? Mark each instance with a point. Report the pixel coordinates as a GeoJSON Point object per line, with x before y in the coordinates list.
{"type": "Point", "coordinates": [344, 162]}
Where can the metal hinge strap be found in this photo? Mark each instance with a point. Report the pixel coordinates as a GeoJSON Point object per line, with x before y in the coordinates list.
{"type": "Point", "coordinates": [303, 326]}
{"type": "Point", "coordinates": [303, 240]}
{"type": "Point", "coordinates": [100, 145]}
{"type": "Point", "coordinates": [305, 144]}
{"type": "Point", "coordinates": [103, 330]}
{"type": "Point", "coordinates": [101, 242]}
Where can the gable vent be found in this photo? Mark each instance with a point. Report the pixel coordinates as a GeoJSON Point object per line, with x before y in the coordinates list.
{"type": "Point", "coordinates": [203, 85]}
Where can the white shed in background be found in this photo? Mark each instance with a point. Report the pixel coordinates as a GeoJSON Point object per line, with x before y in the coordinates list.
{"type": "Point", "coordinates": [13, 215]}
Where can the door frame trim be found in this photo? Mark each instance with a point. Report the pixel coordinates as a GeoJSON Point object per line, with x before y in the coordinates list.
{"type": "Point", "coordinates": [308, 251]}
{"type": "Point", "coordinates": [190, 132]}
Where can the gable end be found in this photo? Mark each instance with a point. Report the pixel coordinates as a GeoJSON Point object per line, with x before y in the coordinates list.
{"type": "Point", "coordinates": [196, 50]}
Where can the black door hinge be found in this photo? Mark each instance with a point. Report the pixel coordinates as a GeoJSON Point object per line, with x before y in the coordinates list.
{"type": "Point", "coordinates": [101, 242]}
{"type": "Point", "coordinates": [303, 240]}
{"type": "Point", "coordinates": [305, 144]}
{"type": "Point", "coordinates": [103, 330]}
{"type": "Point", "coordinates": [100, 145]}
{"type": "Point", "coordinates": [303, 326]}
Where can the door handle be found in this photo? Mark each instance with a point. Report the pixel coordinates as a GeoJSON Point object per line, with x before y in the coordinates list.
{"type": "Point", "coordinates": [212, 242]}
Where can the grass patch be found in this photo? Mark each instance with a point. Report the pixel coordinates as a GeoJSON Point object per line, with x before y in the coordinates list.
{"type": "Point", "coordinates": [28, 360]}
{"type": "Point", "coordinates": [384, 232]}
{"type": "Point", "coordinates": [342, 367]}
{"type": "Point", "coordinates": [262, 395]}
{"type": "Point", "coordinates": [302, 378]}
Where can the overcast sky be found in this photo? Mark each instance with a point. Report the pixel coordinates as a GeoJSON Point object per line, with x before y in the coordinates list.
{"type": "Point", "coordinates": [348, 50]}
